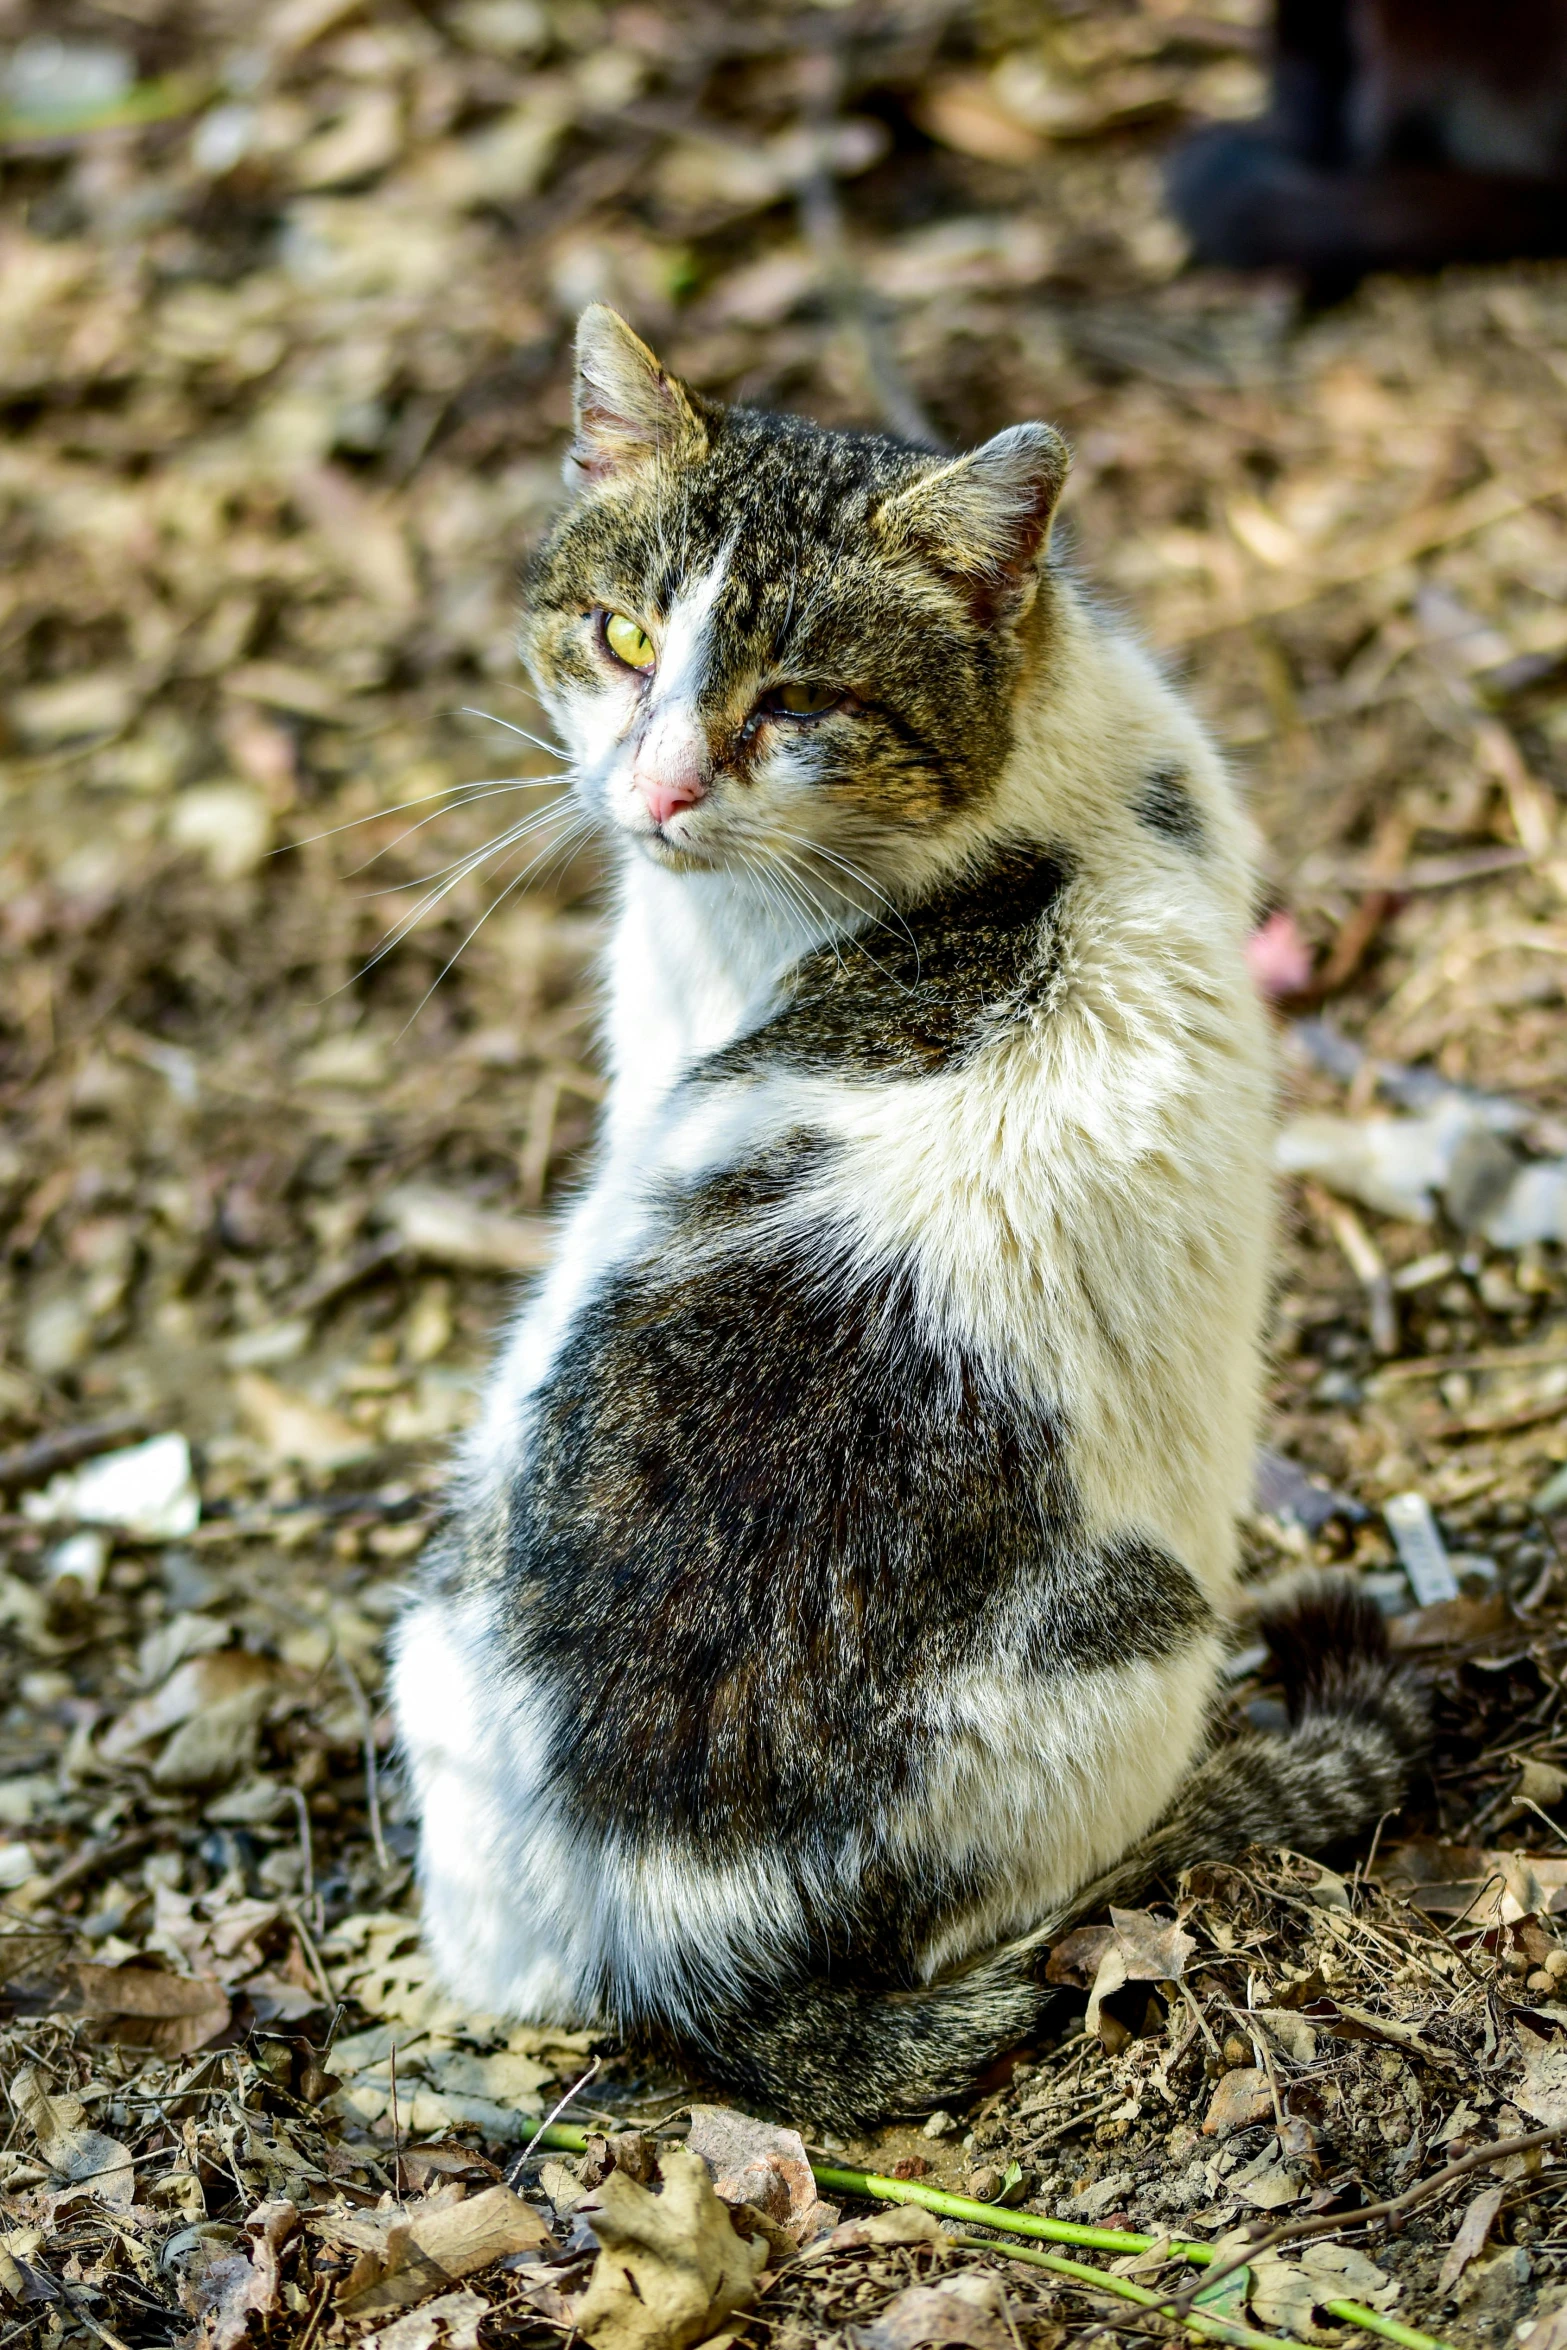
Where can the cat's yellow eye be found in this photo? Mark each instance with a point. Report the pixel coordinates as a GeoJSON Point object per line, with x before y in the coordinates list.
{"type": "Point", "coordinates": [804, 701]}
{"type": "Point", "coordinates": [627, 642]}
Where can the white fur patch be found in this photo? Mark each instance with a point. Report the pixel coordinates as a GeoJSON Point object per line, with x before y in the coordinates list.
{"type": "Point", "coordinates": [682, 654]}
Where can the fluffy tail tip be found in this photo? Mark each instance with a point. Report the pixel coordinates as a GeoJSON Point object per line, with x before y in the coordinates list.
{"type": "Point", "coordinates": [1330, 1642]}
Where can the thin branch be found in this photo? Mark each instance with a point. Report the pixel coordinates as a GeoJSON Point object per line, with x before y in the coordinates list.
{"type": "Point", "coordinates": [1299, 2231]}
{"type": "Point", "coordinates": [366, 1719]}
{"type": "Point", "coordinates": [821, 218]}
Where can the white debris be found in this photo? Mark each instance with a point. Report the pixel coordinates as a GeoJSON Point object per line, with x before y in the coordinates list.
{"type": "Point", "coordinates": [1398, 1166]}
{"type": "Point", "coordinates": [16, 1866]}
{"type": "Point", "coordinates": [147, 1490]}
{"type": "Point", "coordinates": [1451, 1154]}
{"type": "Point", "coordinates": [45, 77]}
{"type": "Point", "coordinates": [82, 1557]}
{"type": "Point", "coordinates": [1534, 1209]}
{"type": "Point", "coordinates": [1421, 1548]}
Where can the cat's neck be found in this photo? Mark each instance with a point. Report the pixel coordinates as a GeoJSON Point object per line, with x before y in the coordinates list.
{"type": "Point", "coordinates": [693, 958]}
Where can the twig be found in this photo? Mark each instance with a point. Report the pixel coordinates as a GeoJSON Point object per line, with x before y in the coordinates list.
{"type": "Point", "coordinates": [87, 1864]}
{"type": "Point", "coordinates": [32, 1464]}
{"type": "Point", "coordinates": [397, 2132]}
{"type": "Point", "coordinates": [84, 2316]}
{"type": "Point", "coordinates": [821, 217]}
{"type": "Point", "coordinates": [317, 1967]}
{"type": "Point", "coordinates": [361, 1705]}
{"type": "Point", "coordinates": [306, 1848]}
{"type": "Point", "coordinates": [549, 2122]}
{"type": "Point", "coordinates": [1365, 1262]}
{"type": "Point", "coordinates": [317, 2312]}
{"type": "Point", "coordinates": [1298, 2231]}
{"type": "Point", "coordinates": [1075, 2121]}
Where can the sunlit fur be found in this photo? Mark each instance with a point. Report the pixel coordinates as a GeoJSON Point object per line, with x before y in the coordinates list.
{"type": "Point", "coordinates": [838, 1581]}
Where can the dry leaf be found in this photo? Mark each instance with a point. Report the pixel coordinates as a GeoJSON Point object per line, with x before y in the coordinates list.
{"type": "Point", "coordinates": [1543, 2092]}
{"type": "Point", "coordinates": [1287, 2293]}
{"type": "Point", "coordinates": [1341, 2272]}
{"type": "Point", "coordinates": [1153, 1950]}
{"type": "Point", "coordinates": [90, 2162]}
{"type": "Point", "coordinates": [146, 2007]}
{"type": "Point", "coordinates": [452, 2321]}
{"type": "Point", "coordinates": [1469, 2241]}
{"type": "Point", "coordinates": [966, 114]}
{"type": "Point", "coordinates": [246, 2283]}
{"type": "Point", "coordinates": [296, 1429]}
{"type": "Point", "coordinates": [217, 1743]}
{"type": "Point", "coordinates": [905, 2223]}
{"type": "Point", "coordinates": [1075, 1958]}
{"type": "Point", "coordinates": [444, 1228]}
{"type": "Point", "coordinates": [437, 2245]}
{"type": "Point", "coordinates": [969, 2309]}
{"type": "Point", "coordinates": [203, 1682]}
{"type": "Point", "coordinates": [752, 2162]}
{"type": "Point", "coordinates": [671, 2268]}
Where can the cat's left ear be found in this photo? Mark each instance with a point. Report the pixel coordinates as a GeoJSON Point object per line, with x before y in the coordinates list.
{"type": "Point", "coordinates": [984, 519]}
{"type": "Point", "coordinates": [628, 410]}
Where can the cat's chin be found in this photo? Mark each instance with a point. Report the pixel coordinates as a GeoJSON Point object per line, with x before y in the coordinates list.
{"type": "Point", "coordinates": [672, 856]}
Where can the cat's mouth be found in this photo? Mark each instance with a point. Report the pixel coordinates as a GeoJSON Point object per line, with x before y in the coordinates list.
{"type": "Point", "coordinates": [674, 853]}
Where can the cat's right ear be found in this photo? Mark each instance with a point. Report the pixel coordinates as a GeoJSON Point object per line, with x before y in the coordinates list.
{"type": "Point", "coordinates": [628, 410]}
{"type": "Point", "coordinates": [983, 520]}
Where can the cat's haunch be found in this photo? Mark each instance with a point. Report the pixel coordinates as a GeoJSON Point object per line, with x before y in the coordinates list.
{"type": "Point", "coordinates": [835, 1601]}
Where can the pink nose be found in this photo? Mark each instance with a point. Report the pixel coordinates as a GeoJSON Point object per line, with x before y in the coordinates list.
{"type": "Point", "coordinates": [665, 795]}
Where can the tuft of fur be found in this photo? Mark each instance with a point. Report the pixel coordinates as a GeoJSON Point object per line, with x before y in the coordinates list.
{"type": "Point", "coordinates": [836, 1582]}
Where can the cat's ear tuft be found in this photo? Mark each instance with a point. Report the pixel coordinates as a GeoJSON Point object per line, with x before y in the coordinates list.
{"type": "Point", "coordinates": [628, 409]}
{"type": "Point", "coordinates": [984, 519]}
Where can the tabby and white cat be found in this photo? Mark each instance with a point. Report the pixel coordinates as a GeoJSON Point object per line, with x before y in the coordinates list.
{"type": "Point", "coordinates": [838, 1582]}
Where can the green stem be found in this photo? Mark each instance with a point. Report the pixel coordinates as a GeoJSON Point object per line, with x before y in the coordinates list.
{"type": "Point", "coordinates": [1197, 2321]}
{"type": "Point", "coordinates": [1350, 2313]}
{"type": "Point", "coordinates": [145, 102]}
{"type": "Point", "coordinates": [871, 2187]}
{"type": "Point", "coordinates": [992, 2215]}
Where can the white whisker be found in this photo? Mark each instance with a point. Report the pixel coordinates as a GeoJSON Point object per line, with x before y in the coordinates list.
{"type": "Point", "coordinates": [578, 831]}
{"type": "Point", "coordinates": [842, 931]}
{"type": "Point", "coordinates": [463, 868]}
{"type": "Point", "coordinates": [448, 792]}
{"type": "Point", "coordinates": [538, 741]}
{"type": "Point", "coordinates": [858, 875]}
{"type": "Point", "coordinates": [519, 831]}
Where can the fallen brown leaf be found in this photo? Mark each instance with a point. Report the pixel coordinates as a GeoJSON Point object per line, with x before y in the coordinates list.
{"type": "Point", "coordinates": [752, 2162]}
{"type": "Point", "coordinates": [1469, 2242]}
{"type": "Point", "coordinates": [967, 2310]}
{"type": "Point", "coordinates": [146, 2007]}
{"type": "Point", "coordinates": [436, 2246]}
{"type": "Point", "coordinates": [671, 2266]}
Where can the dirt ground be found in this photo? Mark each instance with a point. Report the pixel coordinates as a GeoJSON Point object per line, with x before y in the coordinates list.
{"type": "Point", "coordinates": [297, 1049]}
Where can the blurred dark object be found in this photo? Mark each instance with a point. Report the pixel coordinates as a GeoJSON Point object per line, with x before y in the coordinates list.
{"type": "Point", "coordinates": [1403, 134]}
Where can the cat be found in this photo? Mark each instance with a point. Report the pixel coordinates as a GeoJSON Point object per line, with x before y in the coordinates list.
{"type": "Point", "coordinates": [1402, 134]}
{"type": "Point", "coordinates": [836, 1594]}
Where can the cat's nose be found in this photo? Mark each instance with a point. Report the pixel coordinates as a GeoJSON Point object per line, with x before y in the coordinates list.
{"type": "Point", "coordinates": [665, 795]}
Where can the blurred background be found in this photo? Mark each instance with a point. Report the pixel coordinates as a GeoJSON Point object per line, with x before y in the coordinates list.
{"type": "Point", "coordinates": [296, 1040]}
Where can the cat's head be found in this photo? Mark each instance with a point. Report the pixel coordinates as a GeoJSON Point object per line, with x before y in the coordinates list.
{"type": "Point", "coordinates": [762, 639]}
